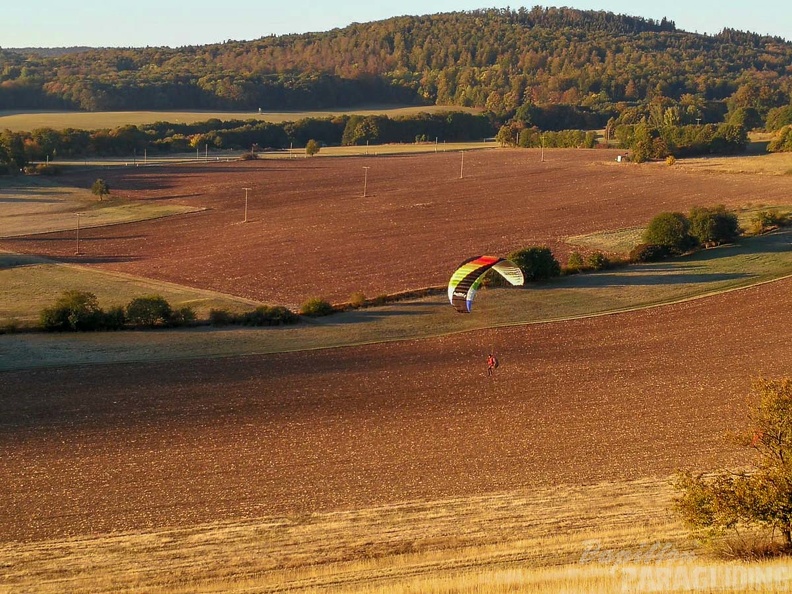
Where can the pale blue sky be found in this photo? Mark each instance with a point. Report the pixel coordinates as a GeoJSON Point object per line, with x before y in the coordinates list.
{"type": "Point", "coordinates": [137, 23]}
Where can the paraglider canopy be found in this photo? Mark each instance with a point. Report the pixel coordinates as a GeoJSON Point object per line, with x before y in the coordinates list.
{"type": "Point", "coordinates": [468, 278]}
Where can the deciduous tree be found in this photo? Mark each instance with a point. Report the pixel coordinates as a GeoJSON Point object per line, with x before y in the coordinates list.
{"type": "Point", "coordinates": [759, 498]}
{"type": "Point", "coordinates": [100, 188]}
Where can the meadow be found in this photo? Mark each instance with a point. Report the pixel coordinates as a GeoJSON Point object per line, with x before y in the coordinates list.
{"type": "Point", "coordinates": [369, 451]}
{"type": "Point", "coordinates": [26, 121]}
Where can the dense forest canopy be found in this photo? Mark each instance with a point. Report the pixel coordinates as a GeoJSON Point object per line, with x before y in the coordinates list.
{"type": "Point", "coordinates": [495, 59]}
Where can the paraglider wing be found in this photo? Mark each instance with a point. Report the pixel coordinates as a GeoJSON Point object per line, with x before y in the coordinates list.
{"type": "Point", "coordinates": [468, 278]}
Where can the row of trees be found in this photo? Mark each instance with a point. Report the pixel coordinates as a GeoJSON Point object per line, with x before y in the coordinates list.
{"type": "Point", "coordinates": [648, 142]}
{"type": "Point", "coordinates": [673, 233]}
{"type": "Point", "coordinates": [19, 148]}
{"type": "Point", "coordinates": [79, 311]}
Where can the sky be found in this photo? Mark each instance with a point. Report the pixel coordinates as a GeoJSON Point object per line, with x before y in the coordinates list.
{"type": "Point", "coordinates": [140, 23]}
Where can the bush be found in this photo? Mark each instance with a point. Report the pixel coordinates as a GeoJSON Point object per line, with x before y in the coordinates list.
{"type": "Point", "coordinates": [150, 311]}
{"type": "Point", "coordinates": [714, 225]}
{"type": "Point", "coordinates": [42, 169]}
{"type": "Point", "coordinates": [221, 317]}
{"type": "Point", "coordinates": [647, 252]}
{"type": "Point", "coordinates": [113, 319]}
{"type": "Point", "coordinates": [184, 316]}
{"type": "Point", "coordinates": [10, 326]}
{"type": "Point", "coordinates": [269, 316]}
{"type": "Point", "coordinates": [73, 310]}
{"type": "Point", "coordinates": [357, 300]}
{"type": "Point", "coordinates": [248, 157]}
{"type": "Point", "coordinates": [670, 229]}
{"type": "Point", "coordinates": [575, 263]}
{"type": "Point", "coordinates": [754, 500]}
{"type": "Point", "coordinates": [597, 261]}
{"type": "Point", "coordinates": [767, 220]}
{"type": "Point", "coordinates": [280, 315]}
{"type": "Point", "coordinates": [263, 315]}
{"type": "Point", "coordinates": [670, 160]}
{"type": "Point", "coordinates": [316, 307]}
{"type": "Point", "coordinates": [537, 263]}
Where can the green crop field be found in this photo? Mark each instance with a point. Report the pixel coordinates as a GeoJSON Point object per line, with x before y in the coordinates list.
{"type": "Point", "coordinates": [26, 121]}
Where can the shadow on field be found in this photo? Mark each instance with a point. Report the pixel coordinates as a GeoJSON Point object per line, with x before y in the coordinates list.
{"type": "Point", "coordinates": [85, 236]}
{"type": "Point", "coordinates": [651, 278]}
{"type": "Point", "coordinates": [392, 310]}
{"type": "Point", "coordinates": [9, 261]}
{"type": "Point", "coordinates": [30, 200]}
{"type": "Point", "coordinates": [88, 259]}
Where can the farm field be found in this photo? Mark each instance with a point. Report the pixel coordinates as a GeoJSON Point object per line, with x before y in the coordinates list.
{"type": "Point", "coordinates": [26, 121]}
{"type": "Point", "coordinates": [310, 232]}
{"type": "Point", "coordinates": [291, 439]}
{"type": "Point", "coordinates": [30, 288]}
{"type": "Point", "coordinates": [264, 460]}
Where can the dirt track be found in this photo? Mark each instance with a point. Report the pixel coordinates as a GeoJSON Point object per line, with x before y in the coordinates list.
{"type": "Point", "coordinates": [311, 233]}
{"type": "Point", "coordinates": [122, 447]}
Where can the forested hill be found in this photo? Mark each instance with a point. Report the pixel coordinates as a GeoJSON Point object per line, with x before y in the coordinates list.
{"type": "Point", "coordinates": [495, 59]}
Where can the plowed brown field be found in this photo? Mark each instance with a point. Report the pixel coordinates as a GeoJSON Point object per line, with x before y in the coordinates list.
{"type": "Point", "coordinates": [116, 447]}
{"type": "Point", "coordinates": [311, 233]}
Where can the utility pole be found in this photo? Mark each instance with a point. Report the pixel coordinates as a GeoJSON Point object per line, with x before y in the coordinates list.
{"type": "Point", "coordinates": [246, 202]}
{"type": "Point", "coordinates": [365, 180]}
{"type": "Point", "coordinates": [77, 253]}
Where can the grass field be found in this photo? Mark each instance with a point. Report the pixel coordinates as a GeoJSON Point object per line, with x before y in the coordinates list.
{"type": "Point", "coordinates": [23, 122]}
{"type": "Point", "coordinates": [30, 284]}
{"type": "Point", "coordinates": [41, 205]}
{"type": "Point", "coordinates": [31, 288]}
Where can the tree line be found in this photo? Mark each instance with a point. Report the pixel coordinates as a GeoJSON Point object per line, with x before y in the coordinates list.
{"type": "Point", "coordinates": [17, 149]}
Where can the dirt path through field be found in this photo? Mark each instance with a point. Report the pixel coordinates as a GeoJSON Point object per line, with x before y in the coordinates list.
{"type": "Point", "coordinates": [87, 450]}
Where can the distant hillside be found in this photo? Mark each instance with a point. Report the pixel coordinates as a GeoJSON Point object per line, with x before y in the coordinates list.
{"type": "Point", "coordinates": [502, 60]}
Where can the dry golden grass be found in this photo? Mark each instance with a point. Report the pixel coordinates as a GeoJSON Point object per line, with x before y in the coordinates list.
{"type": "Point", "coordinates": [762, 164]}
{"type": "Point", "coordinates": [21, 122]}
{"type": "Point", "coordinates": [381, 546]}
{"type": "Point", "coordinates": [599, 538]}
